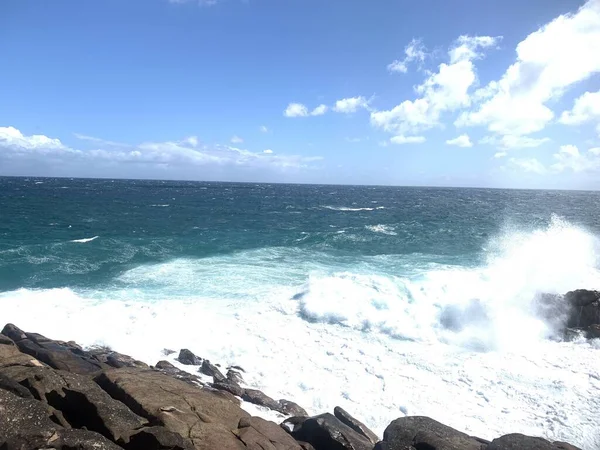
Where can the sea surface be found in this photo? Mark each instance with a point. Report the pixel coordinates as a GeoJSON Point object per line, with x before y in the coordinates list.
{"type": "Point", "coordinates": [387, 301]}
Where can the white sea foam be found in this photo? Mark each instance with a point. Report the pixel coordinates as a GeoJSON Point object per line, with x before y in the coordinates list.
{"type": "Point", "coordinates": [464, 346]}
{"type": "Point", "coordinates": [83, 241]}
{"type": "Point", "coordinates": [161, 206]}
{"type": "Point", "coordinates": [348, 208]}
{"type": "Point", "coordinates": [383, 229]}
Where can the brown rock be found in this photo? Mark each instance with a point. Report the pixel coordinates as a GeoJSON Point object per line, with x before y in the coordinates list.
{"type": "Point", "coordinates": [232, 388]}
{"type": "Point", "coordinates": [169, 369]}
{"type": "Point", "coordinates": [157, 438]}
{"type": "Point", "coordinates": [259, 398]}
{"type": "Point", "coordinates": [10, 385]}
{"type": "Point", "coordinates": [114, 359]}
{"type": "Point", "coordinates": [325, 432]}
{"type": "Point", "coordinates": [355, 424]}
{"type": "Point", "coordinates": [10, 354]}
{"type": "Point", "coordinates": [522, 442]}
{"type": "Point", "coordinates": [212, 371]}
{"type": "Point", "coordinates": [290, 408]}
{"type": "Point", "coordinates": [258, 434]}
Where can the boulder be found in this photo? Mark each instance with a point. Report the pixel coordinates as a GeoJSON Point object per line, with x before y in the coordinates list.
{"type": "Point", "coordinates": [27, 424]}
{"type": "Point", "coordinates": [290, 408]}
{"type": "Point", "coordinates": [10, 385]}
{"type": "Point", "coordinates": [326, 432]}
{"type": "Point", "coordinates": [212, 371]}
{"type": "Point", "coordinates": [585, 308]}
{"type": "Point", "coordinates": [234, 376]}
{"type": "Point", "coordinates": [157, 438]}
{"type": "Point", "coordinates": [232, 388]}
{"type": "Point", "coordinates": [169, 369]}
{"type": "Point", "coordinates": [521, 442]}
{"type": "Point", "coordinates": [259, 398]}
{"type": "Point", "coordinates": [81, 401]}
{"type": "Point", "coordinates": [355, 424]}
{"type": "Point", "coordinates": [187, 358]}
{"type": "Point", "coordinates": [425, 433]}
{"type": "Point", "coordinates": [205, 416]}
{"type": "Point", "coordinates": [114, 359]}
{"type": "Point", "coordinates": [57, 354]}
{"type": "Point", "coordinates": [258, 434]}
{"type": "Point", "coordinates": [10, 355]}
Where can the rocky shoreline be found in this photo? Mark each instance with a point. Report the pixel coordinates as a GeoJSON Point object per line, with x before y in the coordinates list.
{"type": "Point", "coordinates": [57, 395]}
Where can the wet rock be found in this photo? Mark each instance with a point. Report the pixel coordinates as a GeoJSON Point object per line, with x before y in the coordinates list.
{"type": "Point", "coordinates": [355, 424]}
{"type": "Point", "coordinates": [169, 369]}
{"type": "Point", "coordinates": [56, 354]}
{"type": "Point", "coordinates": [574, 334]}
{"type": "Point", "coordinates": [521, 442]}
{"type": "Point", "coordinates": [238, 368]}
{"type": "Point", "coordinates": [258, 434]}
{"type": "Point", "coordinates": [81, 401]}
{"type": "Point", "coordinates": [582, 297]}
{"type": "Point", "coordinates": [26, 424]}
{"type": "Point", "coordinates": [290, 408]}
{"type": "Point", "coordinates": [425, 433]}
{"type": "Point", "coordinates": [157, 438]}
{"type": "Point", "coordinates": [327, 432]}
{"type": "Point", "coordinates": [114, 359]}
{"type": "Point", "coordinates": [234, 376]}
{"type": "Point", "coordinates": [585, 308]}
{"type": "Point", "coordinates": [259, 398]}
{"type": "Point", "coordinates": [212, 371]}
{"type": "Point", "coordinates": [187, 358]}
{"type": "Point", "coordinates": [232, 388]}
{"type": "Point", "coordinates": [205, 416]}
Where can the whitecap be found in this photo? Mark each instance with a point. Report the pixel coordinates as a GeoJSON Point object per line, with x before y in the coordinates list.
{"type": "Point", "coordinates": [347, 208]}
{"type": "Point", "coordinates": [83, 241]}
{"type": "Point", "coordinates": [383, 229]}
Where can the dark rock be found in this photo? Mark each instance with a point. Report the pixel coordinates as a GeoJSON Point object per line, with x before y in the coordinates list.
{"type": "Point", "coordinates": [205, 416]}
{"type": "Point", "coordinates": [573, 334]}
{"type": "Point", "coordinates": [56, 354]}
{"type": "Point", "coordinates": [259, 398]}
{"type": "Point", "coordinates": [582, 297]}
{"type": "Point", "coordinates": [233, 388]}
{"type": "Point", "coordinates": [10, 355]}
{"type": "Point", "coordinates": [234, 376]}
{"type": "Point", "coordinates": [167, 351]}
{"type": "Point", "coordinates": [592, 332]}
{"type": "Point", "coordinates": [187, 358]}
{"type": "Point", "coordinates": [585, 308]}
{"type": "Point", "coordinates": [355, 424]}
{"type": "Point", "coordinates": [326, 432]}
{"type": "Point", "coordinates": [521, 442]}
{"type": "Point", "coordinates": [238, 368]}
{"type": "Point", "coordinates": [26, 424]}
{"type": "Point", "coordinates": [212, 371]}
{"type": "Point", "coordinates": [291, 409]}
{"type": "Point", "coordinates": [425, 433]}
{"type": "Point", "coordinates": [114, 359]}
{"type": "Point", "coordinates": [157, 438]}
{"type": "Point", "coordinates": [170, 369]}
{"type": "Point", "coordinates": [259, 434]}
{"type": "Point", "coordinates": [10, 385]}
{"type": "Point", "coordinates": [81, 401]}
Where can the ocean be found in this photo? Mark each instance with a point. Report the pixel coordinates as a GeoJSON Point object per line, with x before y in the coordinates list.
{"type": "Point", "coordinates": [387, 301]}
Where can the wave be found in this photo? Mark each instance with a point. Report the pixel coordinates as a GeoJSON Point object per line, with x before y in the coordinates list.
{"type": "Point", "coordinates": [160, 206]}
{"type": "Point", "coordinates": [347, 208]}
{"type": "Point", "coordinates": [83, 241]}
{"type": "Point", "coordinates": [383, 229]}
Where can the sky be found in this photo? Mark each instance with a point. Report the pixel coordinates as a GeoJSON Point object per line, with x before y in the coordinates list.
{"type": "Point", "coordinates": [388, 92]}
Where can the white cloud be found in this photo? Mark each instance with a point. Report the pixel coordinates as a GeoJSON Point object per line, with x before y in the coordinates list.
{"type": "Point", "coordinates": [549, 61]}
{"type": "Point", "coordinates": [236, 140]}
{"type": "Point", "coordinates": [528, 165]}
{"type": "Point", "coordinates": [414, 51]}
{"type": "Point", "coordinates": [350, 105]}
{"type": "Point", "coordinates": [500, 154]}
{"type": "Point", "coordinates": [594, 151]}
{"type": "Point", "coordinates": [11, 137]}
{"type": "Point", "coordinates": [268, 151]}
{"type": "Point", "coordinates": [461, 141]}
{"type": "Point", "coordinates": [401, 139]}
{"type": "Point", "coordinates": [263, 129]}
{"type": "Point", "coordinates": [510, 141]}
{"type": "Point", "coordinates": [569, 158]}
{"type": "Point", "coordinates": [585, 109]}
{"type": "Point", "coordinates": [319, 110]}
{"type": "Point", "coordinates": [296, 110]}
{"type": "Point", "coordinates": [442, 91]}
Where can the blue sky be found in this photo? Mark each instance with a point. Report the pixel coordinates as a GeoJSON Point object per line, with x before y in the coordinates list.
{"type": "Point", "coordinates": [457, 93]}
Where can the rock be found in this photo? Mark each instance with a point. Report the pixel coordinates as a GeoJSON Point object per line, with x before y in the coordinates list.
{"type": "Point", "coordinates": [592, 332]}
{"type": "Point", "coordinates": [233, 376]}
{"type": "Point", "coordinates": [56, 354]}
{"type": "Point", "coordinates": [26, 424]}
{"type": "Point", "coordinates": [157, 438]}
{"type": "Point", "coordinates": [187, 358]}
{"type": "Point", "coordinates": [259, 398]}
{"type": "Point", "coordinates": [573, 334]}
{"type": "Point", "coordinates": [232, 388]}
{"type": "Point", "coordinates": [169, 369]}
{"type": "Point", "coordinates": [355, 424]}
{"type": "Point", "coordinates": [582, 297]}
{"type": "Point", "coordinates": [212, 371]}
{"type": "Point", "coordinates": [326, 432]}
{"type": "Point", "coordinates": [81, 401]}
{"type": "Point", "coordinates": [291, 409]}
{"type": "Point", "coordinates": [258, 434]}
{"type": "Point", "coordinates": [521, 442]}
{"type": "Point", "coordinates": [10, 385]}
{"type": "Point", "coordinates": [205, 416]}
{"type": "Point", "coordinates": [114, 359]}
{"type": "Point", "coordinates": [238, 368]}
{"type": "Point", "coordinates": [425, 433]}
{"type": "Point", "coordinates": [10, 355]}
{"type": "Point", "coordinates": [167, 351]}
{"type": "Point", "coordinates": [585, 308]}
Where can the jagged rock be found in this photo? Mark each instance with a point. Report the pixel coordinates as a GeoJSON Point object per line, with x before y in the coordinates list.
{"type": "Point", "coordinates": [170, 369]}
{"type": "Point", "coordinates": [582, 297]}
{"type": "Point", "coordinates": [355, 424]}
{"type": "Point", "coordinates": [521, 442]}
{"type": "Point", "coordinates": [238, 368]}
{"type": "Point", "coordinates": [585, 308]}
{"type": "Point", "coordinates": [212, 371]}
{"type": "Point", "coordinates": [259, 398]}
{"type": "Point", "coordinates": [233, 376]}
{"type": "Point", "coordinates": [187, 358]}
{"type": "Point", "coordinates": [114, 359]}
{"type": "Point", "coordinates": [10, 355]}
{"type": "Point", "coordinates": [26, 424]}
{"type": "Point", "coordinates": [56, 354]}
{"type": "Point", "coordinates": [425, 433]}
{"type": "Point", "coordinates": [81, 401]}
{"type": "Point", "coordinates": [232, 388]}
{"type": "Point", "coordinates": [157, 438]}
{"type": "Point", "coordinates": [290, 408]}
{"type": "Point", "coordinates": [205, 416]}
{"type": "Point", "coordinates": [10, 385]}
{"type": "Point", "coordinates": [326, 432]}
{"type": "Point", "coordinates": [259, 434]}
